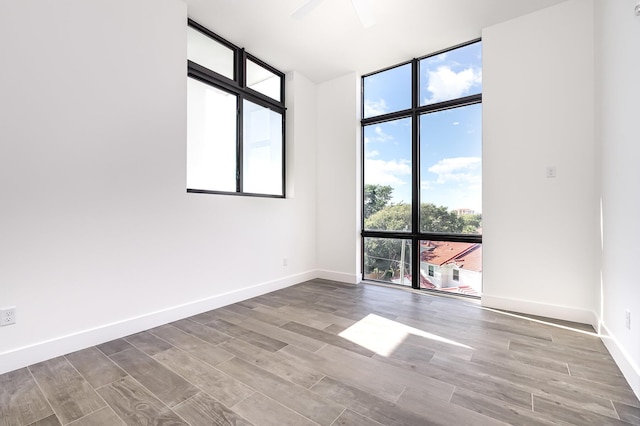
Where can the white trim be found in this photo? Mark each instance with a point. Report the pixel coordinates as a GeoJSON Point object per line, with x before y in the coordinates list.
{"type": "Point", "coordinates": [41, 351]}
{"type": "Point", "coordinates": [629, 368]}
{"type": "Point", "coordinates": [338, 276]}
{"type": "Point", "coordinates": [565, 313]}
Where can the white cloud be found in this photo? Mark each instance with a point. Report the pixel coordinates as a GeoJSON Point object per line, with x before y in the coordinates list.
{"type": "Point", "coordinates": [371, 154]}
{"type": "Point", "coordinates": [380, 172]}
{"type": "Point", "coordinates": [444, 83]}
{"type": "Point", "coordinates": [439, 58]}
{"type": "Point", "coordinates": [435, 59]}
{"type": "Point", "coordinates": [425, 184]}
{"type": "Point", "coordinates": [459, 169]}
{"type": "Point", "coordinates": [373, 108]}
{"type": "Point", "coordinates": [381, 136]}
{"type": "Point", "coordinates": [458, 183]}
{"type": "Point", "coordinates": [378, 136]}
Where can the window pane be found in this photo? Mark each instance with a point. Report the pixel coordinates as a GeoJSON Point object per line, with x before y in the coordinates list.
{"type": "Point", "coordinates": [451, 171]}
{"type": "Point", "coordinates": [262, 150]}
{"type": "Point", "coordinates": [211, 138]}
{"type": "Point", "coordinates": [262, 80]}
{"type": "Point", "coordinates": [387, 259]}
{"type": "Point", "coordinates": [451, 75]}
{"type": "Point", "coordinates": [452, 267]}
{"type": "Point", "coordinates": [387, 91]}
{"type": "Point", "coordinates": [387, 176]}
{"type": "Point", "coordinates": [207, 52]}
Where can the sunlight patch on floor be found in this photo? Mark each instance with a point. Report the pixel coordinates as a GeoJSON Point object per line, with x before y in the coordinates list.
{"type": "Point", "coordinates": [383, 336]}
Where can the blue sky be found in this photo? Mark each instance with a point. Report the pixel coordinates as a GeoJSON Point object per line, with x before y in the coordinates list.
{"type": "Point", "coordinates": [450, 141]}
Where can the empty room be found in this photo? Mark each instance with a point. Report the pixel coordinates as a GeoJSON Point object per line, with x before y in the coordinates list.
{"type": "Point", "coordinates": [319, 212]}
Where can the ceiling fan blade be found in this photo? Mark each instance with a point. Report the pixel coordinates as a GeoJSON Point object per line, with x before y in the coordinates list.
{"type": "Point", "coordinates": [364, 12]}
{"type": "Point", "coordinates": [305, 8]}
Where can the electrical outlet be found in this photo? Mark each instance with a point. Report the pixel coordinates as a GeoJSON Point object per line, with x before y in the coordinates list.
{"type": "Point", "coordinates": [627, 319]}
{"type": "Point", "coordinates": [285, 261]}
{"type": "Point", "coordinates": [7, 316]}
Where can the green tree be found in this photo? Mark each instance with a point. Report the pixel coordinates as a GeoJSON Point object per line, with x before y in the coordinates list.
{"type": "Point", "coordinates": [376, 197]}
{"type": "Point", "coordinates": [439, 219]}
{"type": "Point", "coordinates": [397, 217]}
{"type": "Point", "coordinates": [472, 222]}
{"type": "Point", "coordinates": [384, 254]}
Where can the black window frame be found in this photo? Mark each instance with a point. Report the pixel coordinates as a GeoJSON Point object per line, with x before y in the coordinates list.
{"type": "Point", "coordinates": [237, 87]}
{"type": "Point", "coordinates": [415, 112]}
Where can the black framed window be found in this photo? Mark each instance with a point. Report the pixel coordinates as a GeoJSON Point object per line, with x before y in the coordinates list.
{"type": "Point", "coordinates": [235, 119]}
{"type": "Point", "coordinates": [422, 172]}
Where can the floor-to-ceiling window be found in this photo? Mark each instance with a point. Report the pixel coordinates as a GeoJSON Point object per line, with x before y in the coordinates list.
{"type": "Point", "coordinates": [422, 172]}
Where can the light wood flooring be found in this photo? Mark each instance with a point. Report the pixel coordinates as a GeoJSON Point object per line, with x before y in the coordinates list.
{"type": "Point", "coordinates": [326, 353]}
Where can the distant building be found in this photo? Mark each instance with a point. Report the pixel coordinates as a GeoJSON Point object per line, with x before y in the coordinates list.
{"type": "Point", "coordinates": [464, 212]}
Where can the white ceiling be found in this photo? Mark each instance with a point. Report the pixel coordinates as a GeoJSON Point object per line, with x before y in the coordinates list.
{"type": "Point", "coordinates": [330, 41]}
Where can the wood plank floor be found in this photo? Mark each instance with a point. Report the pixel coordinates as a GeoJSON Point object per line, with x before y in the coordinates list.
{"type": "Point", "coordinates": [327, 353]}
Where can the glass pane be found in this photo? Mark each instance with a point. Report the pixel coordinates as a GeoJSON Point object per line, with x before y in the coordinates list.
{"type": "Point", "coordinates": [262, 150]}
{"type": "Point", "coordinates": [211, 138]}
{"type": "Point", "coordinates": [451, 267]}
{"type": "Point", "coordinates": [387, 176]}
{"type": "Point", "coordinates": [387, 259]}
{"type": "Point", "coordinates": [262, 80]}
{"type": "Point", "coordinates": [387, 91]}
{"type": "Point", "coordinates": [451, 75]}
{"type": "Point", "coordinates": [451, 171]}
{"type": "Point", "coordinates": [207, 52]}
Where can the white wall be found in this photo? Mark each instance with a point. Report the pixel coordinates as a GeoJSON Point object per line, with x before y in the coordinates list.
{"type": "Point", "coordinates": [538, 109]}
{"type": "Point", "coordinates": [98, 237]}
{"type": "Point", "coordinates": [339, 180]}
{"type": "Point", "coordinates": [618, 91]}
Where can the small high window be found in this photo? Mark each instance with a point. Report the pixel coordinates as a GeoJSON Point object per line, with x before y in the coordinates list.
{"type": "Point", "coordinates": [235, 119]}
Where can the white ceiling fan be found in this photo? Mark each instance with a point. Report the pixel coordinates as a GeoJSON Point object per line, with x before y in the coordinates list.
{"type": "Point", "coordinates": [362, 8]}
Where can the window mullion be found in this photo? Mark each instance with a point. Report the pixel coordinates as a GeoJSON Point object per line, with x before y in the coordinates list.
{"type": "Point", "coordinates": [239, 144]}
{"type": "Point", "coordinates": [415, 161]}
{"type": "Point", "coordinates": [241, 73]}
{"type": "Point", "coordinates": [241, 69]}
{"type": "Point", "coordinates": [241, 77]}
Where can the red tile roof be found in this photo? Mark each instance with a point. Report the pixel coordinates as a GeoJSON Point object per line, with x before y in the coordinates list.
{"type": "Point", "coordinates": [471, 260]}
{"type": "Point", "coordinates": [465, 255]}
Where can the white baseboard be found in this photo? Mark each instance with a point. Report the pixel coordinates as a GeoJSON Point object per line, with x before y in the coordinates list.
{"type": "Point", "coordinates": [41, 351]}
{"type": "Point", "coordinates": [337, 276]}
{"type": "Point", "coordinates": [629, 368]}
{"type": "Point", "coordinates": [565, 313]}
